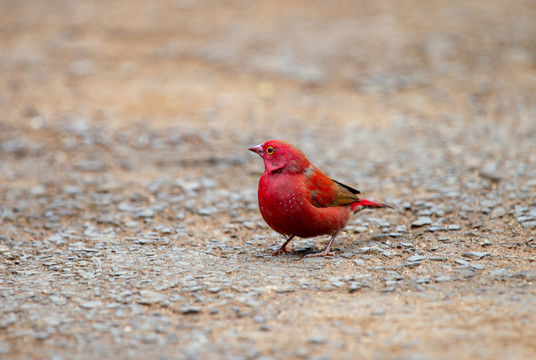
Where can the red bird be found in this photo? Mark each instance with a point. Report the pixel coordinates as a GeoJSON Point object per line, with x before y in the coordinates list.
{"type": "Point", "coordinates": [296, 199]}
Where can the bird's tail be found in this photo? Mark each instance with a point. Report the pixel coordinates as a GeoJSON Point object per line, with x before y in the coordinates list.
{"type": "Point", "coordinates": [366, 204]}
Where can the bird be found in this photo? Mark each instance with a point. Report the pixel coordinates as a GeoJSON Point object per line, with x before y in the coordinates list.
{"type": "Point", "coordinates": [297, 199]}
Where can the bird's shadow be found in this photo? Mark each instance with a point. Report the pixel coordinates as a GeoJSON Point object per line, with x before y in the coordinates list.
{"type": "Point", "coordinates": [301, 252]}
{"type": "Point", "coordinates": [304, 251]}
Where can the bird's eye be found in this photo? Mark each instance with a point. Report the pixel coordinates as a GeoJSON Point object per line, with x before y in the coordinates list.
{"type": "Point", "coordinates": [270, 150]}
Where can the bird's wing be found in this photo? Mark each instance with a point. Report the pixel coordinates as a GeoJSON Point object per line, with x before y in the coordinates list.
{"type": "Point", "coordinates": [324, 192]}
{"type": "Point", "coordinates": [351, 189]}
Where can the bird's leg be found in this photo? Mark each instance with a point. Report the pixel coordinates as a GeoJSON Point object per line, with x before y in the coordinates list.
{"type": "Point", "coordinates": [326, 251]}
{"type": "Point", "coordinates": [283, 249]}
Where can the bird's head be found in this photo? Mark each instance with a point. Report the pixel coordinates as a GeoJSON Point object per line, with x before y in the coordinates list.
{"type": "Point", "coordinates": [281, 156]}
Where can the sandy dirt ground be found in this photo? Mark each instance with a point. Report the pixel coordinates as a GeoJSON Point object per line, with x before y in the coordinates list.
{"type": "Point", "coordinates": [129, 226]}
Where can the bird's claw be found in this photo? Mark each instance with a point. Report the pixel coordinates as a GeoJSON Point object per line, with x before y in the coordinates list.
{"type": "Point", "coordinates": [280, 251]}
{"type": "Point", "coordinates": [283, 248]}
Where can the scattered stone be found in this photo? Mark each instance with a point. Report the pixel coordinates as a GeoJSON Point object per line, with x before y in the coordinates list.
{"type": "Point", "coordinates": [90, 304]}
{"type": "Point", "coordinates": [131, 224]}
{"type": "Point", "coordinates": [317, 340]}
{"type": "Point", "coordinates": [42, 335]}
{"type": "Point", "coordinates": [422, 221]}
{"type": "Point", "coordinates": [206, 211]}
{"type": "Point", "coordinates": [378, 311]}
{"type": "Point", "coordinates": [435, 228]}
{"type": "Point", "coordinates": [8, 319]}
{"type": "Point", "coordinates": [87, 275]}
{"type": "Point", "coordinates": [370, 250]}
{"type": "Point", "coordinates": [186, 310]}
{"type": "Point", "coordinates": [422, 280]}
{"type": "Point", "coordinates": [354, 286]}
{"type": "Point", "coordinates": [145, 213]}
{"type": "Point", "coordinates": [38, 190]}
{"type": "Point", "coordinates": [497, 213]}
{"type": "Point", "coordinates": [476, 255]}
{"type": "Point", "coordinates": [462, 262]}
{"type": "Point", "coordinates": [415, 258]}
{"type": "Point", "coordinates": [149, 297]}
{"type": "Point", "coordinates": [259, 319]}
{"type": "Point", "coordinates": [285, 289]}
{"type": "Point", "coordinates": [500, 273]}
{"type": "Point", "coordinates": [71, 190]}
{"type": "Point", "coordinates": [489, 171]}
{"type": "Point", "coordinates": [438, 258]}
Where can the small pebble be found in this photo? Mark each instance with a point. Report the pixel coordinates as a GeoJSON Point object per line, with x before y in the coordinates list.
{"type": "Point", "coordinates": [317, 340]}
{"type": "Point", "coordinates": [422, 280]}
{"type": "Point", "coordinates": [422, 221]}
{"type": "Point", "coordinates": [500, 272]}
{"type": "Point", "coordinates": [90, 304]}
{"type": "Point", "coordinates": [378, 311]}
{"type": "Point", "coordinates": [145, 213]}
{"type": "Point", "coordinates": [354, 286]}
{"type": "Point", "coordinates": [529, 224]}
{"type": "Point", "coordinates": [462, 262]}
{"type": "Point", "coordinates": [497, 213]}
{"type": "Point", "coordinates": [476, 255]}
{"type": "Point", "coordinates": [416, 258]}
{"type": "Point", "coordinates": [190, 310]}
{"type": "Point", "coordinates": [149, 297]}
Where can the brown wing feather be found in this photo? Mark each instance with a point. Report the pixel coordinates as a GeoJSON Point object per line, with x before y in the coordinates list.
{"type": "Point", "coordinates": [351, 189]}
{"type": "Point", "coordinates": [325, 192]}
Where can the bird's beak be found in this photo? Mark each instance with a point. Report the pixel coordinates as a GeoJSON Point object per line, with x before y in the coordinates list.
{"type": "Point", "coordinates": [256, 149]}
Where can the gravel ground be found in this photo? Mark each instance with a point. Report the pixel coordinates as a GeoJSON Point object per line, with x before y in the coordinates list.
{"type": "Point", "coordinates": [129, 225]}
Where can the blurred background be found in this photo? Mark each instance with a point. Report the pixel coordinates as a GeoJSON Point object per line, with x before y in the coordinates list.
{"type": "Point", "coordinates": [332, 76]}
{"type": "Point", "coordinates": [265, 67]}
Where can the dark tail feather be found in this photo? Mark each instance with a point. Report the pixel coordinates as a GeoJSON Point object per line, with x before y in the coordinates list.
{"type": "Point", "coordinates": [367, 204]}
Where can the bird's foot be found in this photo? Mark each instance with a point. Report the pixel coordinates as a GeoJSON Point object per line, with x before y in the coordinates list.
{"type": "Point", "coordinates": [325, 252]}
{"type": "Point", "coordinates": [281, 250]}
